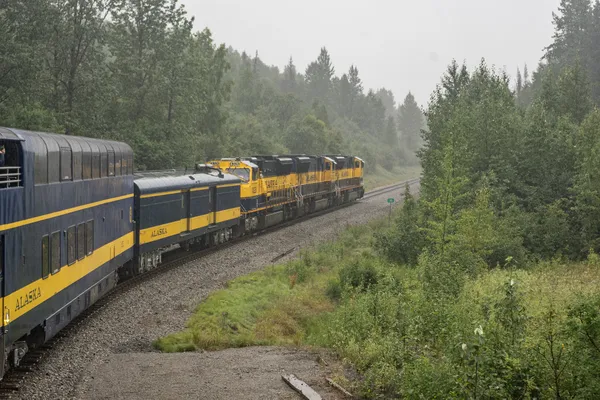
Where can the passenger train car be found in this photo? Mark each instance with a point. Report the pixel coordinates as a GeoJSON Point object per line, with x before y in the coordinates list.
{"type": "Point", "coordinates": [65, 228]}
{"type": "Point", "coordinates": [171, 211]}
{"type": "Point", "coordinates": [74, 219]}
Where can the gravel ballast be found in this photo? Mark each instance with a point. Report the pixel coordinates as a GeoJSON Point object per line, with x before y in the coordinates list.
{"type": "Point", "coordinates": [162, 304]}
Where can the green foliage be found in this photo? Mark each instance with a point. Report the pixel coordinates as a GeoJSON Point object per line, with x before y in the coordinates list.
{"type": "Point", "coordinates": [334, 290]}
{"type": "Point", "coordinates": [483, 239]}
{"type": "Point", "coordinates": [404, 241]}
{"type": "Point", "coordinates": [359, 275]}
{"type": "Point", "coordinates": [587, 186]}
{"type": "Point", "coordinates": [306, 135]}
{"type": "Point", "coordinates": [584, 327]}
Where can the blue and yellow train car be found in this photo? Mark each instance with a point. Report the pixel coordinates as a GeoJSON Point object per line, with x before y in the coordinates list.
{"type": "Point", "coordinates": [173, 211]}
{"type": "Point", "coordinates": [66, 208]}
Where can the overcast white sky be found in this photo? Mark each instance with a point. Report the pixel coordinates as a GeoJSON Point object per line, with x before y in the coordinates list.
{"type": "Point", "coordinates": [401, 45]}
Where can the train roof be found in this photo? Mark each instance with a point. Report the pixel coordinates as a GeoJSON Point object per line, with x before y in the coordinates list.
{"type": "Point", "coordinates": [43, 142]}
{"type": "Point", "coordinates": [146, 185]}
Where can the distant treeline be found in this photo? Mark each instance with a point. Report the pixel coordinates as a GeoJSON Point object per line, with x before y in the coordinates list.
{"type": "Point", "coordinates": [136, 71]}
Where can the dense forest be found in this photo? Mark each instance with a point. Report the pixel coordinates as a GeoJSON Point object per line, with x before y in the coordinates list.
{"type": "Point", "coordinates": [136, 71]}
{"type": "Point", "coordinates": [505, 235]}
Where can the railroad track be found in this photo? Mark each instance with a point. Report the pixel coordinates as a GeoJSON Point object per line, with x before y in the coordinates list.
{"type": "Point", "coordinates": [390, 188]}
{"type": "Point", "coordinates": [16, 377]}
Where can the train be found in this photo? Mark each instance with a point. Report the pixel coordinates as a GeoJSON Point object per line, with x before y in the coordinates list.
{"type": "Point", "coordinates": [75, 219]}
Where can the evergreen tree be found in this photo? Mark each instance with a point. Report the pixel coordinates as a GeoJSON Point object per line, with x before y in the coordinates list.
{"type": "Point", "coordinates": [587, 183]}
{"type": "Point", "coordinates": [355, 81]}
{"type": "Point", "coordinates": [244, 91]}
{"type": "Point", "coordinates": [387, 98]}
{"type": "Point", "coordinates": [519, 82]}
{"type": "Point", "coordinates": [288, 84]}
{"type": "Point", "coordinates": [345, 96]}
{"type": "Point", "coordinates": [571, 25]}
{"type": "Point", "coordinates": [391, 135]}
{"type": "Point", "coordinates": [410, 122]}
{"type": "Point", "coordinates": [356, 87]}
{"type": "Point", "coordinates": [574, 92]}
{"type": "Point", "coordinates": [319, 75]}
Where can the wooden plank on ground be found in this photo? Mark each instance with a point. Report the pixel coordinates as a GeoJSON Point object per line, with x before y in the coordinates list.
{"type": "Point", "coordinates": [338, 387]}
{"type": "Point", "coordinates": [305, 391]}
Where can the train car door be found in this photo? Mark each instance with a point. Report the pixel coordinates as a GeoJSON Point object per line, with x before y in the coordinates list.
{"type": "Point", "coordinates": [212, 205]}
{"type": "Point", "coordinates": [185, 210]}
{"type": "Point", "coordinates": [190, 214]}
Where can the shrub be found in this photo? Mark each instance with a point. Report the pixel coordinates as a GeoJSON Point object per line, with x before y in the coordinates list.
{"type": "Point", "coordinates": [359, 275]}
{"type": "Point", "coordinates": [404, 241]}
{"type": "Point", "coordinates": [334, 290]}
{"type": "Point", "coordinates": [425, 378]}
{"type": "Point", "coordinates": [584, 328]}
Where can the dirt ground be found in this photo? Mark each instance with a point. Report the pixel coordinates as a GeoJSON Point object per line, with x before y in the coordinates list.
{"type": "Point", "coordinates": [246, 373]}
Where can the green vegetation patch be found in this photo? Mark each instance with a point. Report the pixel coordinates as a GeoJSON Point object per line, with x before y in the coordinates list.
{"type": "Point", "coordinates": [275, 306]}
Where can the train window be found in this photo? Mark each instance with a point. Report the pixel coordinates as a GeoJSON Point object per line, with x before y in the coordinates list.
{"type": "Point", "coordinates": [242, 173]}
{"type": "Point", "coordinates": [95, 161]}
{"type": "Point", "coordinates": [53, 157]}
{"type": "Point", "coordinates": [86, 159]}
{"type": "Point", "coordinates": [89, 237]}
{"type": "Point", "coordinates": [103, 161]}
{"type": "Point", "coordinates": [124, 164]}
{"type": "Point", "coordinates": [77, 161]}
{"type": "Point", "coordinates": [45, 256]}
{"type": "Point", "coordinates": [80, 241]}
{"type": "Point", "coordinates": [71, 245]}
{"type": "Point", "coordinates": [130, 164]}
{"type": "Point", "coordinates": [55, 252]}
{"type": "Point", "coordinates": [111, 163]}
{"type": "Point", "coordinates": [356, 164]}
{"type": "Point", "coordinates": [117, 161]}
{"type": "Point", "coordinates": [66, 165]}
{"type": "Point", "coordinates": [41, 161]}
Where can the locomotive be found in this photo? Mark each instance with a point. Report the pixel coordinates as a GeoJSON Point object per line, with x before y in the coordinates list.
{"type": "Point", "coordinates": [74, 219]}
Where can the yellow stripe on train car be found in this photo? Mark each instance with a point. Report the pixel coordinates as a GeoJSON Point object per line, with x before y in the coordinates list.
{"type": "Point", "coordinates": [44, 217]}
{"type": "Point", "coordinates": [147, 196]}
{"type": "Point", "coordinates": [158, 232]}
